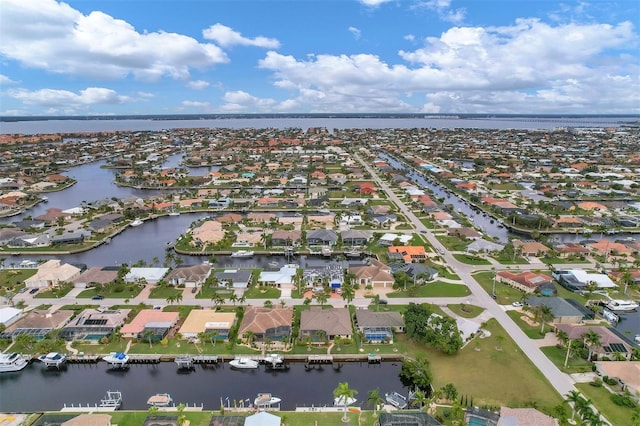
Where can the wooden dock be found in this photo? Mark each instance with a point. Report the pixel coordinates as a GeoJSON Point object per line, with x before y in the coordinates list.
{"type": "Point", "coordinates": [83, 359]}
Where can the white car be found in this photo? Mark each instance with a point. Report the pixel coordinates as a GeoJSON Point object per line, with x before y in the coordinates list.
{"type": "Point", "coordinates": [517, 304]}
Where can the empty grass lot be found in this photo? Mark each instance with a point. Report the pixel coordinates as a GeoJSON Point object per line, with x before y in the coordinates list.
{"type": "Point", "coordinates": [435, 289]}
{"type": "Point", "coordinates": [466, 310]}
{"type": "Point", "coordinates": [494, 377]}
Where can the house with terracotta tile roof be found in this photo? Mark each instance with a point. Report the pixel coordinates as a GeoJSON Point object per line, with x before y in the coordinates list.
{"type": "Point", "coordinates": [273, 324]}
{"type": "Point", "coordinates": [329, 323]}
{"type": "Point", "coordinates": [210, 232]}
{"type": "Point", "coordinates": [606, 248]}
{"type": "Point", "coordinates": [158, 322]}
{"type": "Point", "coordinates": [189, 276]}
{"type": "Point", "coordinates": [592, 205]}
{"type": "Point", "coordinates": [205, 320]}
{"type": "Point", "coordinates": [530, 248]}
{"type": "Point", "coordinates": [567, 249]}
{"type": "Point", "coordinates": [526, 281]}
{"type": "Point", "coordinates": [610, 342]}
{"type": "Point", "coordinates": [410, 253]}
{"type": "Point", "coordinates": [567, 222]}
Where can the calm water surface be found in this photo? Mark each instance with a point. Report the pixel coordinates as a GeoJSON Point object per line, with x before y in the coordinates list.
{"type": "Point", "coordinates": [36, 389]}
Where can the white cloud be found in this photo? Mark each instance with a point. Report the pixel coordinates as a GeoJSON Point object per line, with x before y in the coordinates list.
{"type": "Point", "coordinates": [196, 104]}
{"type": "Point", "coordinates": [6, 80]}
{"type": "Point", "coordinates": [581, 68]}
{"type": "Point", "coordinates": [241, 101]}
{"type": "Point", "coordinates": [198, 84]}
{"type": "Point", "coordinates": [356, 32]}
{"type": "Point", "coordinates": [68, 100]}
{"type": "Point", "coordinates": [410, 37]}
{"type": "Point", "coordinates": [444, 10]}
{"type": "Point", "coordinates": [146, 95]}
{"type": "Point", "coordinates": [374, 3]}
{"type": "Point", "coordinates": [53, 36]}
{"type": "Point", "coordinates": [227, 37]}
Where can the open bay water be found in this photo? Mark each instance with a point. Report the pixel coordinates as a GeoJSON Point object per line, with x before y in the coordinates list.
{"type": "Point", "coordinates": [38, 389]}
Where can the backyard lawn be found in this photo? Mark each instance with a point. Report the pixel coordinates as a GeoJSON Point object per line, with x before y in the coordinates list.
{"type": "Point", "coordinates": [505, 295]}
{"type": "Point", "coordinates": [470, 259]}
{"type": "Point", "coordinates": [465, 310]}
{"type": "Point", "coordinates": [574, 365]}
{"type": "Point", "coordinates": [601, 399]}
{"type": "Point", "coordinates": [165, 293]}
{"type": "Point", "coordinates": [127, 291]}
{"type": "Point", "coordinates": [532, 331]}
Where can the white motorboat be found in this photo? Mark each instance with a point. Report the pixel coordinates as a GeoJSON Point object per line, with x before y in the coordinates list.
{"type": "Point", "coordinates": [53, 359]}
{"type": "Point", "coordinates": [160, 400]}
{"type": "Point", "coordinates": [137, 222]}
{"type": "Point", "coordinates": [12, 362]}
{"type": "Point", "coordinates": [117, 359]}
{"type": "Point", "coordinates": [396, 399]}
{"type": "Point", "coordinates": [341, 401]}
{"type": "Point", "coordinates": [242, 253]}
{"type": "Point", "coordinates": [621, 305]}
{"type": "Point", "coordinates": [266, 400]}
{"type": "Point", "coordinates": [243, 363]}
{"type": "Point", "coordinates": [273, 359]}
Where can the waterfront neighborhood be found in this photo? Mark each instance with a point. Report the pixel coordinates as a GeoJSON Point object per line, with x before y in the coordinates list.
{"type": "Point", "coordinates": [499, 268]}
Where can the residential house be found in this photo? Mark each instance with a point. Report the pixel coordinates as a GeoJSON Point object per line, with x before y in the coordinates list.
{"type": "Point", "coordinates": [376, 274]}
{"type": "Point", "coordinates": [379, 326]}
{"type": "Point", "coordinates": [96, 275]}
{"type": "Point", "coordinates": [90, 419]}
{"type": "Point", "coordinates": [383, 220]}
{"type": "Point", "coordinates": [526, 281]}
{"type": "Point", "coordinates": [38, 323]}
{"type": "Point", "coordinates": [189, 276]}
{"type": "Point", "coordinates": [325, 324]}
{"type": "Point", "coordinates": [237, 279]}
{"type": "Point", "coordinates": [465, 233]}
{"type": "Point", "coordinates": [563, 312]}
{"type": "Point", "coordinates": [484, 246]}
{"type": "Point", "coordinates": [416, 271]}
{"type": "Point", "coordinates": [355, 237]}
{"type": "Point", "coordinates": [322, 237]}
{"type": "Point", "coordinates": [208, 320]}
{"type": "Point", "coordinates": [272, 324]}
{"type": "Point", "coordinates": [281, 238]}
{"type": "Point", "coordinates": [610, 343]}
{"type": "Point", "coordinates": [524, 417]}
{"type": "Point", "coordinates": [390, 239]}
{"type": "Point", "coordinates": [52, 273]}
{"type": "Point", "coordinates": [157, 322]}
{"type": "Point", "coordinates": [530, 248]}
{"type": "Point", "coordinates": [76, 237]}
{"type": "Point", "coordinates": [93, 324]}
{"type": "Point", "coordinates": [568, 249]}
{"type": "Point", "coordinates": [410, 253]}
{"type": "Point", "coordinates": [210, 232]}
{"type": "Point", "coordinates": [579, 279]}
{"type": "Point", "coordinates": [147, 275]}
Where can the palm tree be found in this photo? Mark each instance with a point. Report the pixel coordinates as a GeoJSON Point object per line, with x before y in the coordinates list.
{"type": "Point", "coordinates": [592, 340]}
{"type": "Point", "coordinates": [211, 335]}
{"type": "Point", "coordinates": [348, 293]}
{"type": "Point", "coordinates": [321, 298]}
{"type": "Point", "coordinates": [148, 335]}
{"type": "Point", "coordinates": [375, 399]}
{"type": "Point", "coordinates": [344, 393]}
{"type": "Point", "coordinates": [573, 398]}
{"type": "Point", "coordinates": [249, 336]}
{"type": "Point", "coordinates": [543, 314]}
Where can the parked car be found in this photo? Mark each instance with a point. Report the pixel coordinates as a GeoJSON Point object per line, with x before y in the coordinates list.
{"type": "Point", "coordinates": [97, 297]}
{"type": "Point", "coordinates": [383, 302]}
{"type": "Point", "coordinates": [517, 304]}
{"type": "Point", "coordinates": [33, 291]}
{"type": "Point", "coordinates": [194, 289]}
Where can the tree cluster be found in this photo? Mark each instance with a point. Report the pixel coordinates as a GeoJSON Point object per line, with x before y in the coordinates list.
{"type": "Point", "coordinates": [437, 331]}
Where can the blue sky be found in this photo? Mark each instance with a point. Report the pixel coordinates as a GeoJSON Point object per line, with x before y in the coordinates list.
{"type": "Point", "coordinates": [96, 57]}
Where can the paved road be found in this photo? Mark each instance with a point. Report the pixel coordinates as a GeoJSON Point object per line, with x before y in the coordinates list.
{"type": "Point", "coordinates": [559, 380]}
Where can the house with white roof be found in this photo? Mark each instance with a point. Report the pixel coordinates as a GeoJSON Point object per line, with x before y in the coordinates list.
{"type": "Point", "coordinates": [389, 239]}
{"type": "Point", "coordinates": [148, 275]}
{"type": "Point", "coordinates": [9, 315]}
{"type": "Point", "coordinates": [578, 279]}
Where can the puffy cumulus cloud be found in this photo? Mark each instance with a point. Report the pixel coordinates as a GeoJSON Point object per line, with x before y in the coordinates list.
{"type": "Point", "coordinates": [53, 36]}
{"type": "Point", "coordinates": [583, 68]}
{"type": "Point", "coordinates": [68, 100]}
{"type": "Point", "coordinates": [198, 84]}
{"type": "Point", "coordinates": [227, 37]}
{"type": "Point", "coordinates": [356, 32]}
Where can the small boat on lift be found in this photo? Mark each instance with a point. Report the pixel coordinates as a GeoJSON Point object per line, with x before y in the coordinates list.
{"type": "Point", "coordinates": [160, 400]}
{"type": "Point", "coordinates": [243, 363]}
{"type": "Point", "coordinates": [53, 359]}
{"type": "Point", "coordinates": [264, 400]}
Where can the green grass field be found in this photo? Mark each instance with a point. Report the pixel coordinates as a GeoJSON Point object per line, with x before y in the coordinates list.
{"type": "Point", "coordinates": [465, 310]}
{"type": "Point", "coordinates": [601, 399]}
{"type": "Point", "coordinates": [435, 289]}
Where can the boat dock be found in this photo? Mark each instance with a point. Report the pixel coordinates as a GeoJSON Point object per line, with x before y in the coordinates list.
{"type": "Point", "coordinates": [83, 359]}
{"type": "Point", "coordinates": [374, 359]}
{"type": "Point", "coordinates": [319, 359]}
{"type": "Point", "coordinates": [111, 402]}
{"type": "Point", "coordinates": [188, 362]}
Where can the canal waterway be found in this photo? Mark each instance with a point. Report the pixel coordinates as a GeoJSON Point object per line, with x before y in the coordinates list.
{"type": "Point", "coordinates": [39, 389]}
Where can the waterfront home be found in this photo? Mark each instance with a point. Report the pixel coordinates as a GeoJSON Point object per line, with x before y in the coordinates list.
{"type": "Point", "coordinates": [210, 232]}
{"type": "Point", "coordinates": [402, 417]}
{"type": "Point", "coordinates": [93, 324]}
{"type": "Point", "coordinates": [578, 279]}
{"type": "Point", "coordinates": [610, 343]}
{"type": "Point", "coordinates": [524, 416]}
{"type": "Point", "coordinates": [96, 275]}
{"type": "Point", "coordinates": [605, 248]}
{"type": "Point", "coordinates": [38, 323]}
{"type": "Point", "coordinates": [272, 324]}
{"type": "Point", "coordinates": [145, 275]}
{"type": "Point", "coordinates": [30, 240]}
{"type": "Point", "coordinates": [568, 249]}
{"type": "Point", "coordinates": [484, 246]}
{"type": "Point", "coordinates": [379, 326]}
{"type": "Point", "coordinates": [9, 315]}
{"type": "Point", "coordinates": [157, 322]}
{"type": "Point", "coordinates": [237, 279]}
{"type": "Point", "coordinates": [530, 248]}
{"type": "Point", "coordinates": [355, 237]}
{"type": "Point", "coordinates": [465, 233]}
{"type": "Point", "coordinates": [417, 272]}
{"type": "Point", "coordinates": [262, 418]}
{"type": "Point", "coordinates": [390, 239]}
{"type": "Point", "coordinates": [325, 324]}
{"type": "Point", "coordinates": [91, 419]}
{"type": "Point", "coordinates": [76, 237]}
{"type": "Point", "coordinates": [208, 320]}
{"type": "Point", "coordinates": [189, 276]}
{"type": "Point", "coordinates": [409, 253]}
{"type": "Point", "coordinates": [52, 216]}
{"type": "Point", "coordinates": [282, 279]}
{"type": "Point", "coordinates": [260, 217]}
{"type": "Point", "coordinates": [322, 237]}
{"type": "Point", "coordinates": [52, 273]}
{"type": "Point", "coordinates": [526, 281]}
{"type": "Point", "coordinates": [281, 238]}
{"type": "Point", "coordinates": [562, 310]}
{"type": "Point", "coordinates": [376, 274]}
